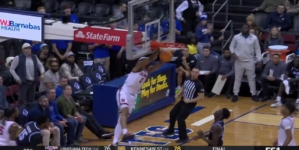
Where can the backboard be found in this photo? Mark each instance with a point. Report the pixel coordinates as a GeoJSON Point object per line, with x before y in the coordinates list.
{"type": "Point", "coordinates": [155, 18]}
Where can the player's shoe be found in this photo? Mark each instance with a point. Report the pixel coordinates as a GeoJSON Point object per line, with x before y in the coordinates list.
{"type": "Point", "coordinates": [127, 137]}
{"type": "Point", "coordinates": [277, 104]}
{"type": "Point", "coordinates": [115, 144]}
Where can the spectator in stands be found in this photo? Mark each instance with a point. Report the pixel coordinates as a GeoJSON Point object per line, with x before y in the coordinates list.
{"type": "Point", "coordinates": [119, 13]}
{"type": "Point", "coordinates": [42, 108]}
{"type": "Point", "coordinates": [61, 48]}
{"type": "Point", "coordinates": [191, 43]}
{"type": "Point", "coordinates": [5, 73]}
{"type": "Point", "coordinates": [274, 38]}
{"type": "Point", "coordinates": [45, 49]}
{"type": "Point", "coordinates": [24, 68]}
{"type": "Point", "coordinates": [3, 101]}
{"type": "Point", "coordinates": [290, 80]}
{"type": "Point", "coordinates": [204, 36]}
{"type": "Point", "coordinates": [243, 53]}
{"type": "Point", "coordinates": [51, 79]}
{"type": "Point", "coordinates": [226, 64]}
{"type": "Point", "coordinates": [59, 121]}
{"type": "Point", "coordinates": [292, 7]}
{"type": "Point", "coordinates": [93, 125]}
{"type": "Point", "coordinates": [178, 26]}
{"type": "Point", "coordinates": [70, 69]}
{"type": "Point", "coordinates": [68, 12]}
{"type": "Point", "coordinates": [279, 19]}
{"type": "Point", "coordinates": [67, 108]}
{"type": "Point", "coordinates": [269, 6]}
{"type": "Point", "coordinates": [272, 74]}
{"type": "Point", "coordinates": [188, 12]}
{"type": "Point", "coordinates": [252, 25]}
{"type": "Point", "coordinates": [49, 60]}
{"type": "Point", "coordinates": [35, 46]}
{"type": "Point", "coordinates": [42, 58]}
{"type": "Point", "coordinates": [207, 63]}
{"type": "Point", "coordinates": [185, 63]}
{"type": "Point", "coordinates": [62, 82]}
{"type": "Point", "coordinates": [217, 39]}
{"type": "Point", "coordinates": [252, 31]}
{"type": "Point", "coordinates": [41, 10]}
{"type": "Point", "coordinates": [100, 54]}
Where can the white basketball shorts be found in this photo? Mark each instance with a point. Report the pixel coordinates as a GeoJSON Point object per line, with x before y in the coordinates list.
{"type": "Point", "coordinates": [125, 99]}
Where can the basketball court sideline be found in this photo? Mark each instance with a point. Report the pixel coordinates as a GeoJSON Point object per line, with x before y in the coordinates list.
{"type": "Point", "coordinates": [251, 123]}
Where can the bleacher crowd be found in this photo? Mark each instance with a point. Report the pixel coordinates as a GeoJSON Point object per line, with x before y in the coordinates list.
{"type": "Point", "coordinates": [47, 77]}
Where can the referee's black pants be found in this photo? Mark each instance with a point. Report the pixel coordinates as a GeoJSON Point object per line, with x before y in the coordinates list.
{"type": "Point", "coordinates": [180, 112]}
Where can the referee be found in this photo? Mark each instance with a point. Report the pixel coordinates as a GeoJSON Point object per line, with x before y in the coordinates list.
{"type": "Point", "coordinates": [192, 92]}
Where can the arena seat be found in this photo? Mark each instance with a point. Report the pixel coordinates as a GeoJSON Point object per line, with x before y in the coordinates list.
{"type": "Point", "coordinates": [51, 6]}
{"type": "Point", "coordinates": [289, 39]}
{"type": "Point", "coordinates": [296, 23]}
{"type": "Point", "coordinates": [292, 47]}
{"type": "Point", "coordinates": [260, 19]}
{"type": "Point", "coordinates": [23, 4]}
{"type": "Point", "coordinates": [67, 2]}
{"type": "Point", "coordinates": [84, 8]}
{"type": "Point", "coordinates": [101, 10]}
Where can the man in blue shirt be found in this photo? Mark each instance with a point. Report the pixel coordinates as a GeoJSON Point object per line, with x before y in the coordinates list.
{"type": "Point", "coordinates": [62, 82]}
{"type": "Point", "coordinates": [100, 54]}
{"type": "Point", "coordinates": [279, 19]}
{"type": "Point", "coordinates": [60, 48]}
{"type": "Point", "coordinates": [68, 12]}
{"type": "Point", "coordinates": [42, 108]}
{"type": "Point", "coordinates": [59, 121]}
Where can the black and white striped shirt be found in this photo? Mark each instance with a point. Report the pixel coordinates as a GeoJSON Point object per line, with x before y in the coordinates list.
{"type": "Point", "coordinates": [191, 88]}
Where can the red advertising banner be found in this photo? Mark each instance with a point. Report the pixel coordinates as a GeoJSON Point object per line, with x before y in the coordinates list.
{"type": "Point", "coordinates": [105, 36]}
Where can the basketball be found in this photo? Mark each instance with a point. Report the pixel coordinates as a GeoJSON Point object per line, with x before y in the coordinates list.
{"type": "Point", "coordinates": [165, 56]}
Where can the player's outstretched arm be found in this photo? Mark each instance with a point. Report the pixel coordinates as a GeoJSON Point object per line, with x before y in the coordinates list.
{"type": "Point", "coordinates": [146, 62]}
{"type": "Point", "coordinates": [156, 66]}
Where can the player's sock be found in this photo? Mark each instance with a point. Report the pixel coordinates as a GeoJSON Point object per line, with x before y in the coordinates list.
{"type": "Point", "coordinates": [277, 103]}
{"type": "Point", "coordinates": [117, 132]}
{"type": "Point", "coordinates": [297, 104]}
{"type": "Point", "coordinates": [125, 131]}
{"type": "Point", "coordinates": [278, 99]}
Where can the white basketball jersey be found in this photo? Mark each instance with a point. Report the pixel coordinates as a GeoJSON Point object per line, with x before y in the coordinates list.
{"type": "Point", "coordinates": [286, 123]}
{"type": "Point", "coordinates": [134, 81]}
{"type": "Point", "coordinates": [4, 133]}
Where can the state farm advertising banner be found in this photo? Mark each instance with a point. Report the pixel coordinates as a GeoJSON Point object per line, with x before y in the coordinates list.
{"type": "Point", "coordinates": [105, 36]}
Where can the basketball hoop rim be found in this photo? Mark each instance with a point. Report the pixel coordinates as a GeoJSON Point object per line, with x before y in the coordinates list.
{"type": "Point", "coordinates": [172, 46]}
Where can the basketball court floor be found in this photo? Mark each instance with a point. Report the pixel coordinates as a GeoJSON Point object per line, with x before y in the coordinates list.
{"type": "Point", "coordinates": [250, 124]}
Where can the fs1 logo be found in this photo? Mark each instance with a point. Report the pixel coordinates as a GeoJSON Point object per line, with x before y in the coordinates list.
{"type": "Point", "coordinates": [272, 148]}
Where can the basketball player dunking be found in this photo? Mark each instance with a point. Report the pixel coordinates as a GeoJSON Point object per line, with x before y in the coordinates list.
{"type": "Point", "coordinates": [286, 127]}
{"type": "Point", "coordinates": [126, 95]}
{"type": "Point", "coordinates": [8, 127]}
{"type": "Point", "coordinates": [215, 136]}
